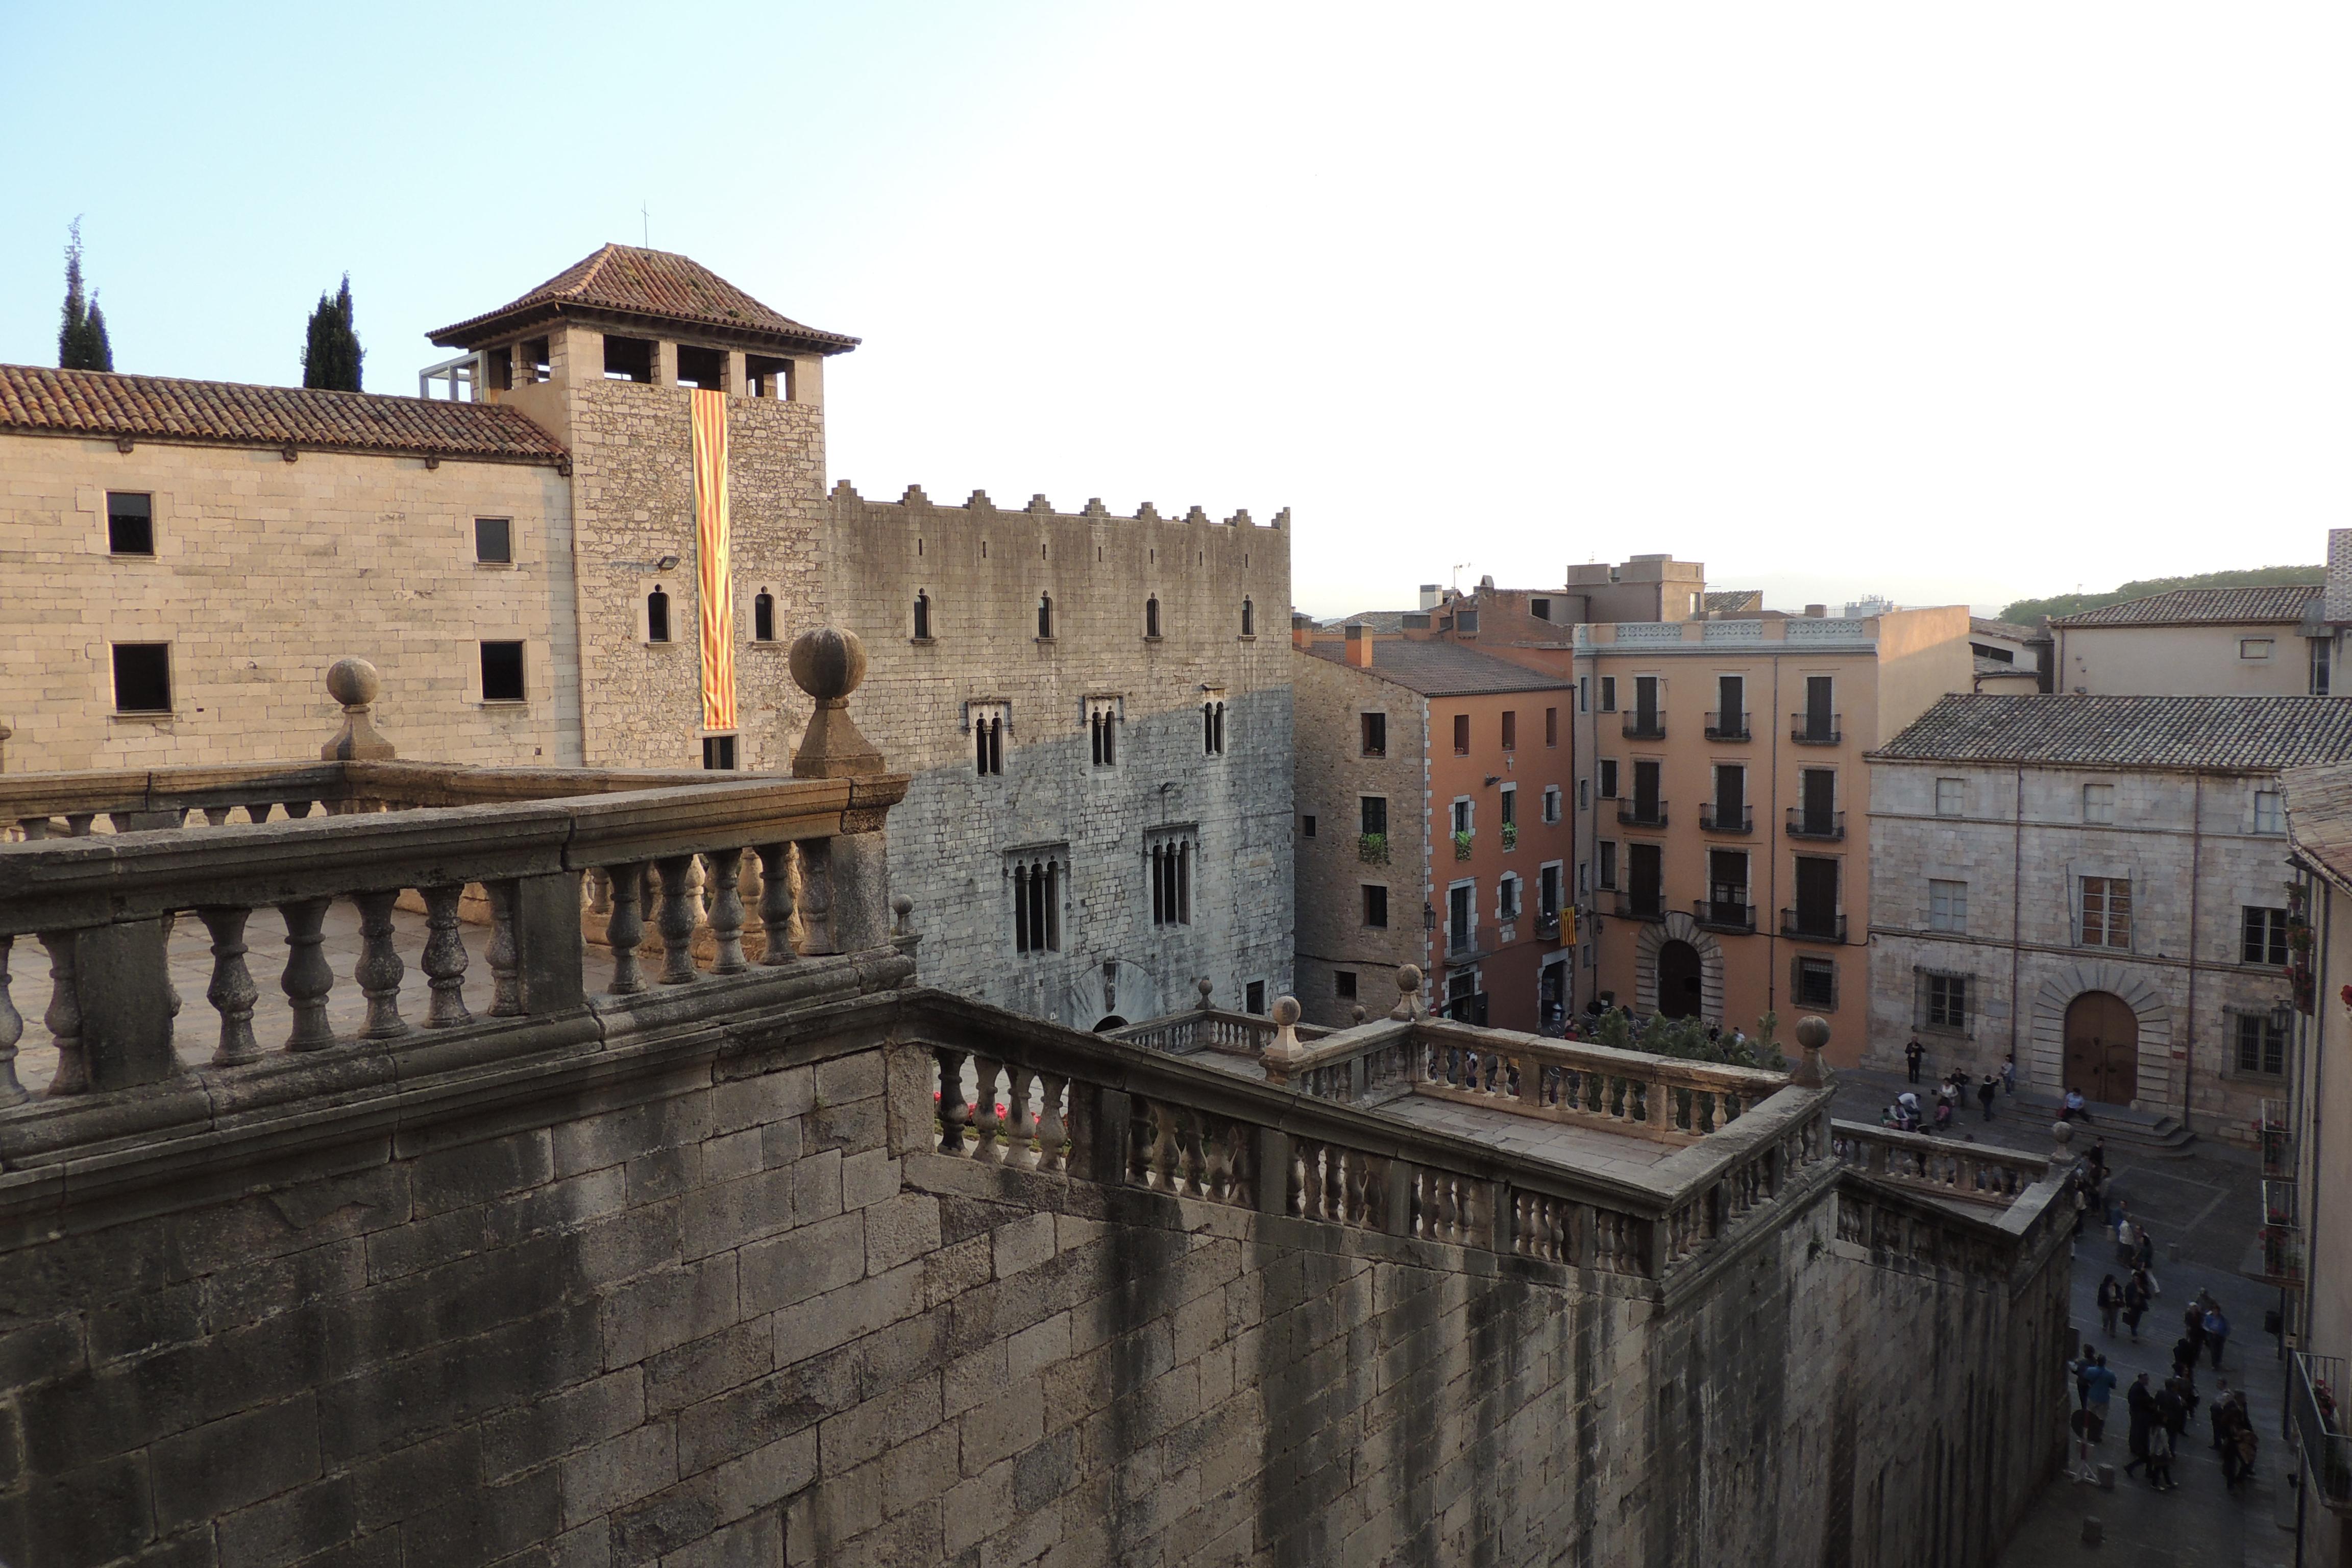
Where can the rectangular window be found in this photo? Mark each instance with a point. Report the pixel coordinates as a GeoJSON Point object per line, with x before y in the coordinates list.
{"type": "Point", "coordinates": [1343, 984]}
{"type": "Point", "coordinates": [1608, 865]}
{"type": "Point", "coordinates": [1375, 735]}
{"type": "Point", "coordinates": [1510, 805]}
{"type": "Point", "coordinates": [1462, 815]}
{"type": "Point", "coordinates": [1552, 803]}
{"type": "Point", "coordinates": [2098, 803]}
{"type": "Point", "coordinates": [1376, 908]}
{"type": "Point", "coordinates": [719, 753]}
{"type": "Point", "coordinates": [1510, 729]}
{"type": "Point", "coordinates": [502, 672]}
{"type": "Point", "coordinates": [1212, 728]}
{"type": "Point", "coordinates": [494, 540]}
{"type": "Point", "coordinates": [1816, 982]}
{"type": "Point", "coordinates": [1584, 794]}
{"type": "Point", "coordinates": [2263, 938]}
{"type": "Point", "coordinates": [1254, 996]}
{"type": "Point", "coordinates": [1461, 917]}
{"type": "Point", "coordinates": [1609, 694]}
{"type": "Point", "coordinates": [1608, 772]}
{"type": "Point", "coordinates": [1946, 1001]}
{"type": "Point", "coordinates": [2254, 647]}
{"type": "Point", "coordinates": [1551, 726]}
{"type": "Point", "coordinates": [1507, 898]}
{"type": "Point", "coordinates": [130, 523]}
{"type": "Point", "coordinates": [2107, 911]}
{"type": "Point", "coordinates": [2261, 1044]}
{"type": "Point", "coordinates": [1375, 809]}
{"type": "Point", "coordinates": [1540, 608]}
{"type": "Point", "coordinates": [2319, 671]}
{"type": "Point", "coordinates": [1548, 894]}
{"type": "Point", "coordinates": [1461, 734]}
{"type": "Point", "coordinates": [1307, 827]}
{"type": "Point", "coordinates": [142, 677]}
{"type": "Point", "coordinates": [1172, 882]}
{"type": "Point", "coordinates": [2269, 815]}
{"type": "Point", "coordinates": [1947, 906]}
{"type": "Point", "coordinates": [1951, 797]}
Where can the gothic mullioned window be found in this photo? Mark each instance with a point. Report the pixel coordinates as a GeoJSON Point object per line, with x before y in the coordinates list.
{"type": "Point", "coordinates": [1213, 727]}
{"type": "Point", "coordinates": [988, 721]}
{"type": "Point", "coordinates": [1102, 729]}
{"type": "Point", "coordinates": [1037, 876]}
{"type": "Point", "coordinates": [1171, 880]}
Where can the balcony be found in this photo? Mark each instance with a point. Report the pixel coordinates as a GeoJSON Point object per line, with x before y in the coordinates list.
{"type": "Point", "coordinates": [1712, 817]}
{"type": "Point", "coordinates": [1816, 728]}
{"type": "Point", "coordinates": [1638, 814]}
{"type": "Point", "coordinates": [1548, 925]}
{"type": "Point", "coordinates": [2312, 1382]}
{"type": "Point", "coordinates": [1827, 826]}
{"type": "Point", "coordinates": [1642, 906]}
{"type": "Point", "coordinates": [2276, 1138]}
{"type": "Point", "coordinates": [1808, 925]}
{"type": "Point", "coordinates": [1715, 914]}
{"type": "Point", "coordinates": [1728, 727]}
{"type": "Point", "coordinates": [2282, 1256]}
{"type": "Point", "coordinates": [1640, 726]}
{"type": "Point", "coordinates": [1465, 841]}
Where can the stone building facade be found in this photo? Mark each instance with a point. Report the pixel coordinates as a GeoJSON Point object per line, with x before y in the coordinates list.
{"type": "Point", "coordinates": [2099, 886]}
{"type": "Point", "coordinates": [2276, 641]}
{"type": "Point", "coordinates": [543, 539]}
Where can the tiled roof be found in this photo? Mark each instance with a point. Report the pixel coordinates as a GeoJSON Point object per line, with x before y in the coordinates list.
{"type": "Point", "coordinates": [1377, 620]}
{"type": "Point", "coordinates": [2202, 606]}
{"type": "Point", "coordinates": [2001, 667]}
{"type": "Point", "coordinates": [223, 413]}
{"type": "Point", "coordinates": [1442, 669]}
{"type": "Point", "coordinates": [2246, 734]}
{"type": "Point", "coordinates": [653, 286]}
{"type": "Point", "coordinates": [1983, 626]}
{"type": "Point", "coordinates": [1729, 601]}
{"type": "Point", "coordinates": [2319, 817]}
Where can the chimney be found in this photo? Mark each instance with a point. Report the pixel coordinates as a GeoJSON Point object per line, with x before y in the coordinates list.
{"type": "Point", "coordinates": [1359, 647]}
{"type": "Point", "coordinates": [1429, 594]}
{"type": "Point", "coordinates": [2338, 604]}
{"type": "Point", "coordinates": [1816, 611]}
{"type": "Point", "coordinates": [1302, 630]}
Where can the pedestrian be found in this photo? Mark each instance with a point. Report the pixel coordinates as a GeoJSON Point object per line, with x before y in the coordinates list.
{"type": "Point", "coordinates": [2078, 1422]}
{"type": "Point", "coordinates": [2008, 1073]}
{"type": "Point", "coordinates": [2249, 1442]}
{"type": "Point", "coordinates": [1906, 1112]}
{"type": "Point", "coordinates": [1943, 1113]}
{"type": "Point", "coordinates": [2142, 1406]}
{"type": "Point", "coordinates": [2192, 1319]}
{"type": "Point", "coordinates": [2080, 1367]}
{"type": "Point", "coordinates": [2098, 1389]}
{"type": "Point", "coordinates": [2080, 1208]}
{"type": "Point", "coordinates": [2159, 1459]}
{"type": "Point", "coordinates": [2146, 1254]}
{"type": "Point", "coordinates": [1913, 1054]}
{"type": "Point", "coordinates": [2217, 1334]}
{"type": "Point", "coordinates": [2097, 1156]}
{"type": "Point", "coordinates": [2134, 1304]}
{"type": "Point", "coordinates": [2075, 1109]}
{"type": "Point", "coordinates": [2127, 1239]}
{"type": "Point", "coordinates": [2172, 1408]}
{"type": "Point", "coordinates": [2225, 1411]}
{"type": "Point", "coordinates": [1986, 1092]}
{"type": "Point", "coordinates": [2116, 1209]}
{"type": "Point", "coordinates": [2111, 1303]}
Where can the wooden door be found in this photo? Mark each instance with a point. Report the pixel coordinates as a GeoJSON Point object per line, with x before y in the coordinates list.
{"type": "Point", "coordinates": [1678, 980]}
{"type": "Point", "coordinates": [2103, 1048]}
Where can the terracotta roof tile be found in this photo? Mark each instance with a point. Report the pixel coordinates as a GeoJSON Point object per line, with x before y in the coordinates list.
{"type": "Point", "coordinates": [656, 286]}
{"type": "Point", "coordinates": [2319, 817]}
{"type": "Point", "coordinates": [1442, 669]}
{"type": "Point", "coordinates": [104, 403]}
{"type": "Point", "coordinates": [2201, 606]}
{"type": "Point", "coordinates": [2241, 734]}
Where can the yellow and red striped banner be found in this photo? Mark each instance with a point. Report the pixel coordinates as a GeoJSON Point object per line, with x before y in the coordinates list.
{"type": "Point", "coordinates": [715, 576]}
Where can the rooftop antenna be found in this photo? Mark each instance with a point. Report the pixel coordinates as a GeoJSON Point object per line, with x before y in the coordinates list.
{"type": "Point", "coordinates": [1458, 565]}
{"type": "Point", "coordinates": [646, 212]}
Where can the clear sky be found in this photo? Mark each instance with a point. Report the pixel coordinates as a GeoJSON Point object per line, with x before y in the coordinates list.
{"type": "Point", "coordinates": [1948, 303]}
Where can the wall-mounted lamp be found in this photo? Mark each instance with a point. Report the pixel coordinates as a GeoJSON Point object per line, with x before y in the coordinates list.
{"type": "Point", "coordinates": [666, 563]}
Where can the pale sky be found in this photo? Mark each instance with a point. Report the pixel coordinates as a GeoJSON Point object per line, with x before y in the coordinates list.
{"type": "Point", "coordinates": [1950, 304]}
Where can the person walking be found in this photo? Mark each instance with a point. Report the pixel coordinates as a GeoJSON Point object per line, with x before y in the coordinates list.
{"type": "Point", "coordinates": [2216, 1333]}
{"type": "Point", "coordinates": [2098, 1386]}
{"type": "Point", "coordinates": [1985, 1093]}
{"type": "Point", "coordinates": [2146, 1255]}
{"type": "Point", "coordinates": [2141, 1405]}
{"type": "Point", "coordinates": [2224, 1407]}
{"type": "Point", "coordinates": [2159, 1459]}
{"type": "Point", "coordinates": [2248, 1443]}
{"type": "Point", "coordinates": [2008, 1073]}
{"type": "Point", "coordinates": [2127, 1239]}
{"type": "Point", "coordinates": [1913, 1054]}
{"type": "Point", "coordinates": [2134, 1304]}
{"type": "Point", "coordinates": [2192, 1319]}
{"type": "Point", "coordinates": [2111, 1303]}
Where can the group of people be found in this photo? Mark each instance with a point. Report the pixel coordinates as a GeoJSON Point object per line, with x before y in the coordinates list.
{"type": "Point", "coordinates": [2159, 1415]}
{"type": "Point", "coordinates": [1952, 1093]}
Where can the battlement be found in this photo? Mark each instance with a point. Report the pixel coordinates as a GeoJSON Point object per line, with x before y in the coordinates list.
{"type": "Point", "coordinates": [978, 504]}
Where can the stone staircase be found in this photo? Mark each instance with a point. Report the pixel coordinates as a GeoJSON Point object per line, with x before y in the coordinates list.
{"type": "Point", "coordinates": [2156, 1134]}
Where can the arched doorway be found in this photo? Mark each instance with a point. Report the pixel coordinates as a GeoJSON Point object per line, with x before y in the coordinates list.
{"type": "Point", "coordinates": [2103, 1048]}
{"type": "Point", "coordinates": [1110, 1021]}
{"type": "Point", "coordinates": [1678, 980]}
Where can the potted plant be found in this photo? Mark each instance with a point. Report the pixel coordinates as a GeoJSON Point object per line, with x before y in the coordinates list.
{"type": "Point", "coordinates": [1462, 841]}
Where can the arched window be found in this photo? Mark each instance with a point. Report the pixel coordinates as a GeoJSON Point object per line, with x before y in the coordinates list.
{"type": "Point", "coordinates": [1249, 619]}
{"type": "Point", "coordinates": [1102, 725]}
{"type": "Point", "coordinates": [1152, 616]}
{"type": "Point", "coordinates": [1036, 907]}
{"type": "Point", "coordinates": [922, 615]}
{"type": "Point", "coordinates": [656, 616]}
{"type": "Point", "coordinates": [1045, 615]}
{"type": "Point", "coordinates": [988, 741]}
{"type": "Point", "coordinates": [763, 616]}
{"type": "Point", "coordinates": [1212, 728]}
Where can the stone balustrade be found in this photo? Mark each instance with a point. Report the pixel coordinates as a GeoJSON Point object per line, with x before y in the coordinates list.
{"type": "Point", "coordinates": [1209, 1029]}
{"type": "Point", "coordinates": [1973, 1173]}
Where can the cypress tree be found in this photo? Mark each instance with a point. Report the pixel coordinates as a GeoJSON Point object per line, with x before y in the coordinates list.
{"type": "Point", "coordinates": [81, 333]}
{"type": "Point", "coordinates": [330, 359]}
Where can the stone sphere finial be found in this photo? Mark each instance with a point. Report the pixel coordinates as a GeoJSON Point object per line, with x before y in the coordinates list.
{"type": "Point", "coordinates": [900, 908]}
{"type": "Point", "coordinates": [353, 682]}
{"type": "Point", "coordinates": [2061, 1139]}
{"type": "Point", "coordinates": [1812, 1031]}
{"type": "Point", "coordinates": [1207, 987]}
{"type": "Point", "coordinates": [1408, 980]}
{"type": "Point", "coordinates": [1281, 1056]}
{"type": "Point", "coordinates": [1356, 1014]}
{"type": "Point", "coordinates": [1286, 1011]}
{"type": "Point", "coordinates": [1812, 1034]}
{"type": "Point", "coordinates": [828, 663]}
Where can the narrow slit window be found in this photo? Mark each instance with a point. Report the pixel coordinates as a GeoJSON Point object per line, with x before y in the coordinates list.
{"type": "Point", "coordinates": [922, 616]}
{"type": "Point", "coordinates": [1045, 616]}
{"type": "Point", "coordinates": [1249, 619]}
{"type": "Point", "coordinates": [763, 616]}
{"type": "Point", "coordinates": [656, 616]}
{"type": "Point", "coordinates": [1152, 616]}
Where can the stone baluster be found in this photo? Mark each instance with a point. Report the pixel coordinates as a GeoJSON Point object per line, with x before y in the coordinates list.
{"type": "Point", "coordinates": [309, 977]}
{"type": "Point", "coordinates": [626, 928]}
{"type": "Point", "coordinates": [986, 1115]}
{"type": "Point", "coordinates": [64, 1015]}
{"type": "Point", "coordinates": [35, 827]}
{"type": "Point", "coordinates": [445, 957]}
{"type": "Point", "coordinates": [600, 893]}
{"type": "Point", "coordinates": [951, 1100]}
{"type": "Point", "coordinates": [816, 858]}
{"type": "Point", "coordinates": [676, 921]}
{"type": "Point", "coordinates": [726, 912]}
{"type": "Point", "coordinates": [776, 901]}
{"type": "Point", "coordinates": [506, 968]}
{"type": "Point", "coordinates": [296, 810]}
{"type": "Point", "coordinates": [1053, 1135]}
{"type": "Point", "coordinates": [232, 992]}
{"type": "Point", "coordinates": [379, 970]}
{"type": "Point", "coordinates": [12, 1029]}
{"type": "Point", "coordinates": [77, 823]}
{"type": "Point", "coordinates": [258, 811]}
{"type": "Point", "coordinates": [216, 815]}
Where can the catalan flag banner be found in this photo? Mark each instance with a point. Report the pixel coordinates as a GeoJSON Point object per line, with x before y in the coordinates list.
{"type": "Point", "coordinates": [714, 575]}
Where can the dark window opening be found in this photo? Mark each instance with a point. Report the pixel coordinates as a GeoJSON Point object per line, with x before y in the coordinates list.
{"type": "Point", "coordinates": [1608, 866]}
{"type": "Point", "coordinates": [142, 677]}
{"type": "Point", "coordinates": [1376, 908]}
{"type": "Point", "coordinates": [1152, 616]}
{"type": "Point", "coordinates": [1171, 883]}
{"type": "Point", "coordinates": [1551, 726]}
{"type": "Point", "coordinates": [130, 523]}
{"type": "Point", "coordinates": [1645, 871]}
{"type": "Point", "coordinates": [1376, 734]}
{"type": "Point", "coordinates": [1609, 694]}
{"type": "Point", "coordinates": [1249, 619]}
{"type": "Point", "coordinates": [1306, 827]}
{"type": "Point", "coordinates": [1254, 997]}
{"type": "Point", "coordinates": [1038, 907]}
{"type": "Point", "coordinates": [1609, 778]}
{"type": "Point", "coordinates": [657, 616]}
{"type": "Point", "coordinates": [922, 615]}
{"type": "Point", "coordinates": [2263, 937]}
{"type": "Point", "coordinates": [1375, 810]}
{"type": "Point", "coordinates": [1045, 616]}
{"type": "Point", "coordinates": [1540, 608]}
{"type": "Point", "coordinates": [988, 743]}
{"type": "Point", "coordinates": [628, 359]}
{"type": "Point", "coordinates": [1212, 728]}
{"type": "Point", "coordinates": [494, 540]}
{"type": "Point", "coordinates": [763, 616]}
{"type": "Point", "coordinates": [719, 753]}
{"type": "Point", "coordinates": [2261, 1044]}
{"type": "Point", "coordinates": [1103, 726]}
{"type": "Point", "coordinates": [502, 672]}
{"type": "Point", "coordinates": [703, 368]}
{"type": "Point", "coordinates": [1343, 984]}
{"type": "Point", "coordinates": [1815, 983]}
{"type": "Point", "coordinates": [1510, 729]}
{"type": "Point", "coordinates": [1461, 734]}
{"type": "Point", "coordinates": [538, 359]}
{"type": "Point", "coordinates": [498, 366]}
{"type": "Point", "coordinates": [769, 377]}
{"type": "Point", "coordinates": [1947, 1002]}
